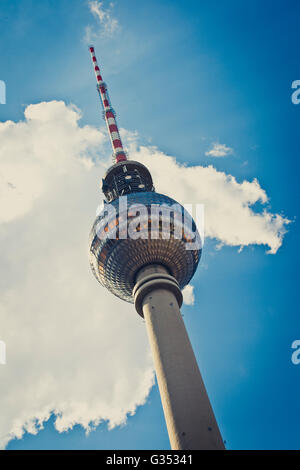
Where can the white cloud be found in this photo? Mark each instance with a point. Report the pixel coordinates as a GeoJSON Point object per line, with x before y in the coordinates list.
{"type": "Point", "coordinates": [32, 155]}
{"type": "Point", "coordinates": [72, 348]}
{"type": "Point", "coordinates": [188, 295]}
{"type": "Point", "coordinates": [107, 24]}
{"type": "Point", "coordinates": [219, 150]}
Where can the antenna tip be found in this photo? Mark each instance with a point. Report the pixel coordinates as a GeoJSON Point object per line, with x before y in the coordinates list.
{"type": "Point", "coordinates": [91, 48]}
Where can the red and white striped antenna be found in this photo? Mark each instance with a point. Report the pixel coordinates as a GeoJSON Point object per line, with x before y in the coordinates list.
{"type": "Point", "coordinates": [119, 154]}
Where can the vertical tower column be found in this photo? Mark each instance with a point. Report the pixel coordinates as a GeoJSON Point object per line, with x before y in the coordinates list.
{"type": "Point", "coordinates": [188, 413]}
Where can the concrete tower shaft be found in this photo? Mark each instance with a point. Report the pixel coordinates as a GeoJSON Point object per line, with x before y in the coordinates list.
{"type": "Point", "coordinates": [189, 416]}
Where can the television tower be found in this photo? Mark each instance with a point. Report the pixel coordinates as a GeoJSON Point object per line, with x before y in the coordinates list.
{"type": "Point", "coordinates": [149, 267]}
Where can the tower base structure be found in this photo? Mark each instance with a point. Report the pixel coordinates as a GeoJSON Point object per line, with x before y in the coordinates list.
{"type": "Point", "coordinates": [188, 413]}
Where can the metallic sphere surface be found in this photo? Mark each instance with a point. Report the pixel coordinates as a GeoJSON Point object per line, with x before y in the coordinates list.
{"type": "Point", "coordinates": [115, 261]}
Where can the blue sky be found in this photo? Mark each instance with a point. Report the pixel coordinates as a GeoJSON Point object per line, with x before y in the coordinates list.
{"type": "Point", "coordinates": [185, 76]}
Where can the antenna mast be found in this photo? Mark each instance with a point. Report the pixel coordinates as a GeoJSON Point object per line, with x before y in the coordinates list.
{"type": "Point", "coordinates": [108, 113]}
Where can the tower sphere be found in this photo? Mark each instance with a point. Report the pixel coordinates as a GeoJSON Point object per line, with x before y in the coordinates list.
{"type": "Point", "coordinates": [139, 227]}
